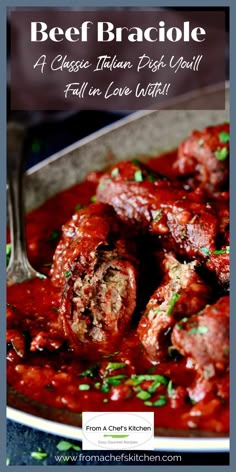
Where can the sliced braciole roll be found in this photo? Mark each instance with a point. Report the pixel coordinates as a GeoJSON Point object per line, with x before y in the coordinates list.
{"type": "Point", "coordinates": [95, 265]}
{"type": "Point", "coordinates": [181, 294]}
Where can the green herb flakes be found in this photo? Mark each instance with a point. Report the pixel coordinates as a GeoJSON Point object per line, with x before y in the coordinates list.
{"type": "Point", "coordinates": [205, 251]}
{"type": "Point", "coordinates": [64, 446]}
{"type": "Point", "coordinates": [151, 178]}
{"type": "Point", "coordinates": [136, 162]}
{"type": "Point", "coordinates": [153, 311]}
{"type": "Point", "coordinates": [39, 455]}
{"type": "Point", "coordinates": [138, 176]}
{"type": "Point", "coordinates": [116, 379]}
{"type": "Point", "coordinates": [198, 330]}
{"type": "Point", "coordinates": [138, 379]}
{"type": "Point", "coordinates": [155, 385]}
{"type": "Point", "coordinates": [54, 235]}
{"type": "Point", "coordinates": [226, 250]}
{"type": "Point", "coordinates": [105, 388]}
{"type": "Point", "coordinates": [78, 207]}
{"type": "Point", "coordinates": [160, 402]}
{"type": "Point", "coordinates": [170, 389]}
{"type": "Point", "coordinates": [8, 252]}
{"type": "Point", "coordinates": [174, 299]}
{"type": "Point", "coordinates": [221, 153]}
{"type": "Point", "coordinates": [84, 387]}
{"type": "Point", "coordinates": [115, 365]}
{"type": "Point", "coordinates": [157, 215]}
{"type": "Point", "coordinates": [143, 395]}
{"type": "Point", "coordinates": [67, 273]}
{"type": "Point", "coordinates": [93, 199]}
{"type": "Point", "coordinates": [224, 137]}
{"type": "Point", "coordinates": [115, 172]}
{"type": "Point", "coordinates": [200, 143]}
{"type": "Point", "coordinates": [91, 372]}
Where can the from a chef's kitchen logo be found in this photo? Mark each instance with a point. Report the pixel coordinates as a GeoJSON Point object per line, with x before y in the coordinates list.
{"type": "Point", "coordinates": [118, 430]}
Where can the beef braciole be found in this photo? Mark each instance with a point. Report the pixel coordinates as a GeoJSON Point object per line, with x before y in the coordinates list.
{"type": "Point", "coordinates": [96, 268]}
{"type": "Point", "coordinates": [134, 312]}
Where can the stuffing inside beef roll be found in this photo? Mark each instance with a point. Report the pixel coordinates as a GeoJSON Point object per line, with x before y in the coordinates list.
{"type": "Point", "coordinates": [95, 266]}
{"type": "Point", "coordinates": [181, 293]}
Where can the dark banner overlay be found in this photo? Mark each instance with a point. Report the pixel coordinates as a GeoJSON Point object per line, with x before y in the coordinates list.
{"type": "Point", "coordinates": [118, 59]}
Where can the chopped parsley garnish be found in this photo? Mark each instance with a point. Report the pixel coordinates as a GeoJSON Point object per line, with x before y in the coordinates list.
{"type": "Point", "coordinates": [115, 365]}
{"type": "Point", "coordinates": [160, 402]}
{"type": "Point", "coordinates": [157, 215]}
{"type": "Point", "coordinates": [136, 162]}
{"type": "Point", "coordinates": [116, 379]}
{"type": "Point", "coordinates": [226, 250]}
{"type": "Point", "coordinates": [64, 446]}
{"type": "Point", "coordinates": [54, 235]}
{"type": "Point", "coordinates": [8, 252]}
{"type": "Point", "coordinates": [138, 379]}
{"type": "Point", "coordinates": [198, 330]}
{"type": "Point", "coordinates": [205, 251]}
{"type": "Point", "coordinates": [115, 172]}
{"type": "Point", "coordinates": [55, 309]}
{"type": "Point", "coordinates": [101, 186]}
{"type": "Point", "coordinates": [143, 395]}
{"type": "Point", "coordinates": [224, 137]}
{"type": "Point", "coordinates": [151, 178]}
{"type": "Point", "coordinates": [221, 153]}
{"type": "Point", "coordinates": [153, 311]}
{"type": "Point", "coordinates": [84, 387]}
{"type": "Point", "coordinates": [93, 199]}
{"type": "Point", "coordinates": [39, 455]}
{"type": "Point", "coordinates": [174, 299]}
{"type": "Point", "coordinates": [91, 372]}
{"type": "Point", "coordinates": [105, 388]}
{"type": "Point", "coordinates": [170, 389]}
{"type": "Point", "coordinates": [138, 176]}
{"type": "Point", "coordinates": [67, 273]}
{"type": "Point", "coordinates": [78, 207]}
{"type": "Point", "coordinates": [183, 320]}
{"type": "Point", "coordinates": [200, 142]}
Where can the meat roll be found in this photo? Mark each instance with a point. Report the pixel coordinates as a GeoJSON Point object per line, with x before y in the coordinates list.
{"type": "Point", "coordinates": [204, 158]}
{"type": "Point", "coordinates": [181, 293]}
{"type": "Point", "coordinates": [181, 221]}
{"type": "Point", "coordinates": [95, 266]}
{"type": "Point", "coordinates": [205, 338]}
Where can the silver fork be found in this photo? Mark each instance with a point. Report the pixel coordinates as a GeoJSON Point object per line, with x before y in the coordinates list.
{"type": "Point", "coordinates": [19, 268]}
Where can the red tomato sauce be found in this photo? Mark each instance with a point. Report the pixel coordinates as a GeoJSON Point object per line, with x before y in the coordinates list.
{"type": "Point", "coordinates": [59, 378]}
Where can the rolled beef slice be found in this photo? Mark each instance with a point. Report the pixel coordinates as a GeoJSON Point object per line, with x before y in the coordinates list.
{"type": "Point", "coordinates": [181, 221]}
{"type": "Point", "coordinates": [204, 157]}
{"type": "Point", "coordinates": [204, 337]}
{"type": "Point", "coordinates": [95, 265]}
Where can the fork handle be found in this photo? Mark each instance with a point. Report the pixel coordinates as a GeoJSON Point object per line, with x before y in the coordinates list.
{"type": "Point", "coordinates": [19, 268]}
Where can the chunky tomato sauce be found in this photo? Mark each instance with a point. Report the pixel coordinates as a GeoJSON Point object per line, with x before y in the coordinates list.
{"type": "Point", "coordinates": [122, 380]}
